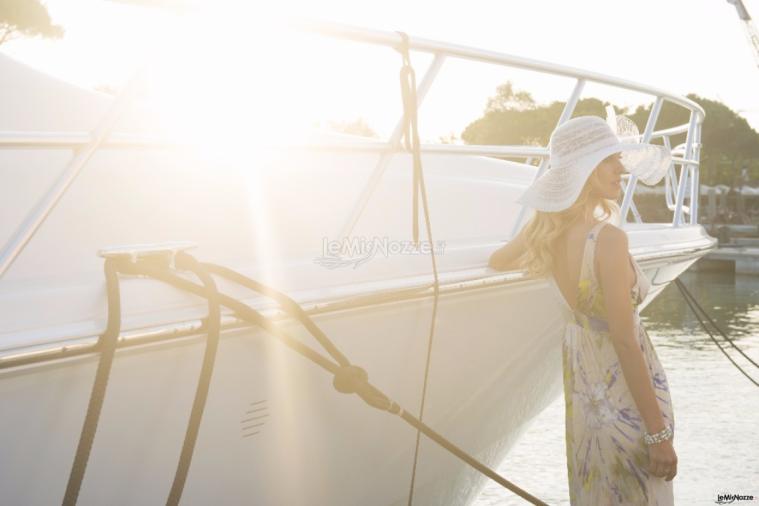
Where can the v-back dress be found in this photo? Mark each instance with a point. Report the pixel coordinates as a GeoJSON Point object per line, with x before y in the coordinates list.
{"type": "Point", "coordinates": [607, 459]}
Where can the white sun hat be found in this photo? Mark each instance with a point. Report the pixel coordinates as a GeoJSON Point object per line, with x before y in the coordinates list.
{"type": "Point", "coordinates": [577, 146]}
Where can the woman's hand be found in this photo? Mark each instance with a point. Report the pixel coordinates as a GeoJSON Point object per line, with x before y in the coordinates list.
{"type": "Point", "coordinates": [662, 460]}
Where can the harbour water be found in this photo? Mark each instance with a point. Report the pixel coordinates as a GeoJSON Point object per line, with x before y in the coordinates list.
{"type": "Point", "coordinates": [716, 407]}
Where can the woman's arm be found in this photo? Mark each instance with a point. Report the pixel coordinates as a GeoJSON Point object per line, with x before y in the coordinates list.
{"type": "Point", "coordinates": [616, 277]}
{"type": "Point", "coordinates": [504, 258]}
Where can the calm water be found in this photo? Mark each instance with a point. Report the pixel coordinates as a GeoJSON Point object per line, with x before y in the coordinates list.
{"type": "Point", "coordinates": [716, 408]}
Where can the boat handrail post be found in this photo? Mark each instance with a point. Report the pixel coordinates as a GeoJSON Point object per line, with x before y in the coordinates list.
{"type": "Point", "coordinates": [690, 144]}
{"type": "Point", "coordinates": [45, 204]}
{"type": "Point", "coordinates": [635, 212]}
{"type": "Point", "coordinates": [696, 167]}
{"type": "Point", "coordinates": [569, 108]}
{"type": "Point", "coordinates": [669, 178]}
{"type": "Point", "coordinates": [677, 219]}
{"type": "Point", "coordinates": [395, 138]}
{"type": "Point", "coordinates": [632, 182]}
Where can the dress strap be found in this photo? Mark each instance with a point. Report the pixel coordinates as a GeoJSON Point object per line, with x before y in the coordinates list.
{"type": "Point", "coordinates": [588, 254]}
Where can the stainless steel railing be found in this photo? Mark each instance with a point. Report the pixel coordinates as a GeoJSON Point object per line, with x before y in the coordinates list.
{"type": "Point", "coordinates": [679, 185]}
{"type": "Point", "coordinates": [688, 164]}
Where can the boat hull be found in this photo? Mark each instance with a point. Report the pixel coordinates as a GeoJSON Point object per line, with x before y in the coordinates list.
{"type": "Point", "coordinates": [274, 429]}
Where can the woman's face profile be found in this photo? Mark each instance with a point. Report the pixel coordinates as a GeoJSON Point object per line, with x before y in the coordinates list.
{"type": "Point", "coordinates": [607, 177]}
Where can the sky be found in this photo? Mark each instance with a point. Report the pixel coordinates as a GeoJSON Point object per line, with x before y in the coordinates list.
{"type": "Point", "coordinates": [682, 46]}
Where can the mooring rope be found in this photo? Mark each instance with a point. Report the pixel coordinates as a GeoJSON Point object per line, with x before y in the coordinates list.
{"type": "Point", "coordinates": [187, 262]}
{"type": "Point", "coordinates": [411, 138]}
{"type": "Point", "coordinates": [348, 378]}
{"type": "Point", "coordinates": [107, 344]}
{"type": "Point", "coordinates": [695, 307]}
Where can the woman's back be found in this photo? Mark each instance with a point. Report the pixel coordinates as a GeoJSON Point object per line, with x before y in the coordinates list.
{"type": "Point", "coordinates": [571, 250]}
{"type": "Point", "coordinates": [568, 256]}
{"type": "Point", "coordinates": [576, 269]}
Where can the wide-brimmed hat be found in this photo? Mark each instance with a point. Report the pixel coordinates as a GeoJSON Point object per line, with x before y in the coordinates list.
{"type": "Point", "coordinates": [577, 146]}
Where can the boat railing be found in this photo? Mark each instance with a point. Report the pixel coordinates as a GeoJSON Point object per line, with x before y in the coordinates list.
{"type": "Point", "coordinates": [679, 185]}
{"type": "Point", "coordinates": [681, 181]}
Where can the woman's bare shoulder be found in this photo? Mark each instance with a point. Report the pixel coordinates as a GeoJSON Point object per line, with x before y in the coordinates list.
{"type": "Point", "coordinates": [612, 241]}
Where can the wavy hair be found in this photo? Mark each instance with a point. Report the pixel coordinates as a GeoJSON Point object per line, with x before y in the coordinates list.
{"type": "Point", "coordinates": [544, 228]}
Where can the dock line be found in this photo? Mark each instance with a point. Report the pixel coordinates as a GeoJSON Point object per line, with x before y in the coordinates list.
{"type": "Point", "coordinates": [691, 301]}
{"type": "Point", "coordinates": [166, 266]}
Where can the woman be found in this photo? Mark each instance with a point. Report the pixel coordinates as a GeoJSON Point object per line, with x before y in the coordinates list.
{"type": "Point", "coordinates": [619, 420]}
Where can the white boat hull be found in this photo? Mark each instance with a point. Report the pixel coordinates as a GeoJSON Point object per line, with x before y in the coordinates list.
{"type": "Point", "coordinates": [274, 430]}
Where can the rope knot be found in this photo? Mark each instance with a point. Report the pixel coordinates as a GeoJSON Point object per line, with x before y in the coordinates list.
{"type": "Point", "coordinates": [349, 379]}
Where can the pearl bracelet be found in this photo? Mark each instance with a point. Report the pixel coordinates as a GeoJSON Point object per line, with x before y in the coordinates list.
{"type": "Point", "coordinates": [660, 436]}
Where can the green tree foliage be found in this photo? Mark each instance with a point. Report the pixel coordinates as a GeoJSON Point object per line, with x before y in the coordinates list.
{"type": "Point", "coordinates": [513, 117]}
{"type": "Point", "coordinates": [509, 99]}
{"type": "Point", "coordinates": [26, 18]}
{"type": "Point", "coordinates": [729, 143]}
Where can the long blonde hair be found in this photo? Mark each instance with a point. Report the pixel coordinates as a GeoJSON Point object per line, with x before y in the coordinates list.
{"type": "Point", "coordinates": [544, 228]}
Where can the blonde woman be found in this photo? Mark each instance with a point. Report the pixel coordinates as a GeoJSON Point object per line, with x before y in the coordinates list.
{"type": "Point", "coordinates": [619, 419]}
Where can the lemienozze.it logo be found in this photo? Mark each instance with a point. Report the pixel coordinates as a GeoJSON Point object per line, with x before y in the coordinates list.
{"type": "Point", "coordinates": [730, 498]}
{"type": "Point", "coordinates": [358, 250]}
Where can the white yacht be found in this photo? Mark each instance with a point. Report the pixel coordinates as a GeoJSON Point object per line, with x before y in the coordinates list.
{"type": "Point", "coordinates": [82, 181]}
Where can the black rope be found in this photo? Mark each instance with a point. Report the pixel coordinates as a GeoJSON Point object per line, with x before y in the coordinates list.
{"type": "Point", "coordinates": [187, 262]}
{"type": "Point", "coordinates": [107, 347]}
{"type": "Point", "coordinates": [410, 132]}
{"type": "Point", "coordinates": [691, 301]}
{"type": "Point", "coordinates": [687, 293]}
{"type": "Point", "coordinates": [348, 378]}
{"type": "Point", "coordinates": [411, 136]}
{"type": "Point", "coordinates": [107, 344]}
{"type": "Point", "coordinates": [285, 303]}
{"type": "Point", "coordinates": [241, 310]}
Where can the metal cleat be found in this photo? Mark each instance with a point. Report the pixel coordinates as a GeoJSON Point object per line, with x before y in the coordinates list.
{"type": "Point", "coordinates": [135, 252]}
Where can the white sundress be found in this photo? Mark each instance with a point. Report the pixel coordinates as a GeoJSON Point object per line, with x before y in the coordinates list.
{"type": "Point", "coordinates": [607, 459]}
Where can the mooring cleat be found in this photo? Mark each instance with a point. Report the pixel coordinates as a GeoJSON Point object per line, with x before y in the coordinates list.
{"type": "Point", "coordinates": [135, 252]}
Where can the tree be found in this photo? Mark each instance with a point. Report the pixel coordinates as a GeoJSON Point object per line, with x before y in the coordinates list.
{"type": "Point", "coordinates": [506, 99]}
{"type": "Point", "coordinates": [729, 141]}
{"type": "Point", "coordinates": [355, 127]}
{"type": "Point", "coordinates": [513, 117]}
{"type": "Point", "coordinates": [26, 18]}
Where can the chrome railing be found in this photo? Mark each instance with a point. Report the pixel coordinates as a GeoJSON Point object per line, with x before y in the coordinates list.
{"type": "Point", "coordinates": [687, 164]}
{"type": "Point", "coordinates": [685, 181]}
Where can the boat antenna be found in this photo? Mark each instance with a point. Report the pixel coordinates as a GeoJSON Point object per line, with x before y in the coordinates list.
{"type": "Point", "coordinates": [748, 27]}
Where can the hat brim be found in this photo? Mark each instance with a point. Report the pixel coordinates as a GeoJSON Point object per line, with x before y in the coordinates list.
{"type": "Point", "coordinates": [559, 187]}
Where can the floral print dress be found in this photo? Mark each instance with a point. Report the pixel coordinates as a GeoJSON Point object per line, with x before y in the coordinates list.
{"type": "Point", "coordinates": [607, 459]}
